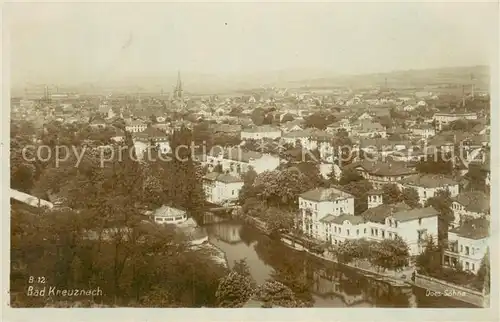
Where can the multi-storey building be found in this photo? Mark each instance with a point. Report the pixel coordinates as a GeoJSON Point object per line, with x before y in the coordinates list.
{"type": "Point", "coordinates": [221, 188]}
{"type": "Point", "coordinates": [427, 185]}
{"type": "Point", "coordinates": [467, 245]}
{"type": "Point", "coordinates": [443, 119]}
{"type": "Point", "coordinates": [381, 173]}
{"type": "Point", "coordinates": [470, 204]}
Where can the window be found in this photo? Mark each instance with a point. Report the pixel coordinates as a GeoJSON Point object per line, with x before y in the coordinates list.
{"type": "Point", "coordinates": [396, 224]}
{"type": "Point", "coordinates": [347, 232]}
{"type": "Point", "coordinates": [372, 232]}
{"type": "Point", "coordinates": [364, 231]}
{"type": "Point", "coordinates": [420, 221]}
{"type": "Point", "coordinates": [466, 250]}
{"type": "Point", "coordinates": [472, 264]}
{"type": "Point", "coordinates": [472, 248]}
{"type": "Point", "coordinates": [461, 248]}
{"type": "Point", "coordinates": [467, 265]}
{"type": "Point", "coordinates": [232, 192]}
{"type": "Point", "coordinates": [383, 233]}
{"type": "Point", "coordinates": [390, 235]}
{"type": "Point", "coordinates": [357, 232]}
{"type": "Point", "coordinates": [340, 230]}
{"type": "Point", "coordinates": [376, 232]}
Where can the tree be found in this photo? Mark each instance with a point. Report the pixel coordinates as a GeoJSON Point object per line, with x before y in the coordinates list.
{"type": "Point", "coordinates": [258, 115]}
{"type": "Point", "coordinates": [319, 120]}
{"type": "Point", "coordinates": [234, 290]}
{"type": "Point", "coordinates": [442, 203]}
{"type": "Point", "coordinates": [248, 191]}
{"type": "Point", "coordinates": [287, 118]}
{"type": "Point", "coordinates": [482, 280]}
{"type": "Point", "coordinates": [281, 188]}
{"type": "Point", "coordinates": [311, 171]}
{"type": "Point", "coordinates": [351, 250]}
{"type": "Point", "coordinates": [439, 164]}
{"type": "Point", "coordinates": [349, 175]}
{"type": "Point", "coordinates": [391, 194]}
{"type": "Point", "coordinates": [359, 189]}
{"type": "Point", "coordinates": [429, 261]}
{"type": "Point", "coordinates": [274, 293]}
{"type": "Point", "coordinates": [410, 197]}
{"type": "Point", "coordinates": [390, 254]}
{"type": "Point", "coordinates": [277, 220]}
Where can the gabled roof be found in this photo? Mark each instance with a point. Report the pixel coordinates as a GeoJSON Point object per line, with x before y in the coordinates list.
{"type": "Point", "coordinates": [429, 181]}
{"type": "Point", "coordinates": [381, 212]}
{"type": "Point", "coordinates": [417, 213]}
{"type": "Point", "coordinates": [339, 220]}
{"type": "Point", "coordinates": [383, 168]}
{"type": "Point", "coordinates": [261, 129]}
{"type": "Point", "coordinates": [473, 229]}
{"type": "Point", "coordinates": [325, 194]}
{"type": "Point", "coordinates": [222, 177]}
{"type": "Point", "coordinates": [474, 201]}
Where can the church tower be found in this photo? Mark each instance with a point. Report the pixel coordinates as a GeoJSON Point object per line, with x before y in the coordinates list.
{"type": "Point", "coordinates": [178, 88]}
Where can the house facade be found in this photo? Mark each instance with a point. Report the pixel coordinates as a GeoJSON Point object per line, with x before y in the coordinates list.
{"type": "Point", "coordinates": [470, 204]}
{"type": "Point", "coordinates": [135, 126]}
{"type": "Point", "coordinates": [443, 119]}
{"type": "Point", "coordinates": [319, 203]}
{"type": "Point", "coordinates": [221, 188]}
{"type": "Point", "coordinates": [261, 132]}
{"type": "Point", "coordinates": [238, 161]}
{"type": "Point", "coordinates": [467, 245]}
{"type": "Point", "coordinates": [427, 185]}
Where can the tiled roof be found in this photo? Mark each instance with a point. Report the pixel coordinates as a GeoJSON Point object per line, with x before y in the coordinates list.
{"type": "Point", "coordinates": [325, 194]}
{"type": "Point", "coordinates": [429, 181]}
{"type": "Point", "coordinates": [261, 129]}
{"type": "Point", "coordinates": [407, 215]}
{"type": "Point", "coordinates": [375, 192]}
{"type": "Point", "coordinates": [379, 213]}
{"type": "Point", "coordinates": [475, 201]}
{"type": "Point", "coordinates": [383, 168]}
{"type": "Point", "coordinates": [165, 211]}
{"type": "Point", "coordinates": [222, 177]}
{"type": "Point", "coordinates": [339, 220]}
{"type": "Point", "coordinates": [474, 229]}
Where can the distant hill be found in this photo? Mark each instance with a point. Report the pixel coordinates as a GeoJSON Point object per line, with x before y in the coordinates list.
{"type": "Point", "coordinates": [198, 83]}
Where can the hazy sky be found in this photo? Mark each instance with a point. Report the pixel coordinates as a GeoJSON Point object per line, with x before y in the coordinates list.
{"type": "Point", "coordinates": [89, 42]}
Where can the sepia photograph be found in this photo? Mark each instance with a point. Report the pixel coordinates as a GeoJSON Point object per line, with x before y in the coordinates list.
{"type": "Point", "coordinates": [250, 155]}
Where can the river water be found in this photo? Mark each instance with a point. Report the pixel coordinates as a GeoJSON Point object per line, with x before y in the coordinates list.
{"type": "Point", "coordinates": [323, 283]}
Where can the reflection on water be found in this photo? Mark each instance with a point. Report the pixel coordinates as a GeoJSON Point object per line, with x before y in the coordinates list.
{"type": "Point", "coordinates": [323, 284]}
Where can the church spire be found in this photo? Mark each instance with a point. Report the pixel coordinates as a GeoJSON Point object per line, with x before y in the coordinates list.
{"type": "Point", "coordinates": [178, 87]}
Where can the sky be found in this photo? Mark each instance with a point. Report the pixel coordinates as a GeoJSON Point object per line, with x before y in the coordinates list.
{"type": "Point", "coordinates": [67, 42]}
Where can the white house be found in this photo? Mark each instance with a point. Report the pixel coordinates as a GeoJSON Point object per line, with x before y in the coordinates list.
{"type": "Point", "coordinates": [467, 245]}
{"type": "Point", "coordinates": [261, 132]}
{"type": "Point", "coordinates": [423, 130]}
{"type": "Point", "coordinates": [375, 198]}
{"type": "Point", "coordinates": [221, 188]}
{"type": "Point", "coordinates": [367, 128]}
{"type": "Point", "coordinates": [443, 119]}
{"type": "Point", "coordinates": [427, 185]}
{"type": "Point", "coordinates": [470, 204]}
{"type": "Point", "coordinates": [318, 203]}
{"type": "Point", "coordinates": [238, 161]}
{"type": "Point", "coordinates": [412, 225]}
{"type": "Point", "coordinates": [135, 126]}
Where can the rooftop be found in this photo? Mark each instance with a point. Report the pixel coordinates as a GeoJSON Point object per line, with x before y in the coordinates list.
{"type": "Point", "coordinates": [474, 229]}
{"type": "Point", "coordinates": [475, 201]}
{"type": "Point", "coordinates": [417, 213]}
{"type": "Point", "coordinates": [221, 177]}
{"type": "Point", "coordinates": [379, 213]}
{"type": "Point", "coordinates": [339, 220]}
{"type": "Point", "coordinates": [429, 181]}
{"type": "Point", "coordinates": [325, 194]}
{"type": "Point", "coordinates": [166, 211]}
{"type": "Point", "coordinates": [383, 168]}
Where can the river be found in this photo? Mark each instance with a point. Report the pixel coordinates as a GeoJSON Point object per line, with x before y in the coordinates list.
{"type": "Point", "coordinates": [323, 283]}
